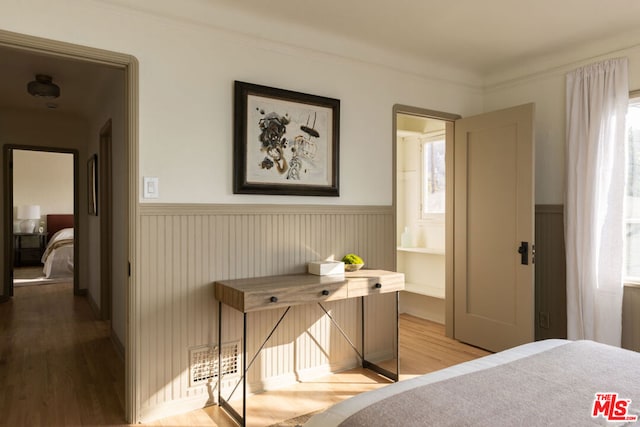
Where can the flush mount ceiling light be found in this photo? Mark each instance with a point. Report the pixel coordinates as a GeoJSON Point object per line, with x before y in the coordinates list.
{"type": "Point", "coordinates": [43, 86]}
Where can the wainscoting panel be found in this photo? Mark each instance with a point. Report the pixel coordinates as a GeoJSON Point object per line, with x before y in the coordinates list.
{"type": "Point", "coordinates": [550, 273]}
{"type": "Point", "coordinates": [184, 249]}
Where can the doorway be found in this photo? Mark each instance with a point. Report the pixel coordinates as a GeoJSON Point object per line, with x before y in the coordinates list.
{"type": "Point", "coordinates": [422, 150]}
{"type": "Point", "coordinates": [105, 192]}
{"type": "Point", "coordinates": [488, 291]}
{"type": "Point", "coordinates": [43, 209]}
{"type": "Point", "coordinates": [125, 203]}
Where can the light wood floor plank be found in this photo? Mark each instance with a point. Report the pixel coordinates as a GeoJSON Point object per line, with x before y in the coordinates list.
{"type": "Point", "coordinates": [58, 367]}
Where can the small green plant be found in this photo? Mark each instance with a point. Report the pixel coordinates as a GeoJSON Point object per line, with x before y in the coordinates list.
{"type": "Point", "coordinates": [352, 259]}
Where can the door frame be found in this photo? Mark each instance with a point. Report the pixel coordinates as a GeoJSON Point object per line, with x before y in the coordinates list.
{"type": "Point", "coordinates": [8, 213]}
{"type": "Point", "coordinates": [129, 64]}
{"type": "Point", "coordinates": [450, 119]}
{"type": "Point", "coordinates": [106, 220]}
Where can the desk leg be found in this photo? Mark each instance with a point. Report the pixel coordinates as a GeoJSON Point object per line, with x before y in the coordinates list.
{"type": "Point", "coordinates": [224, 403]}
{"type": "Point", "coordinates": [363, 324]}
{"type": "Point", "coordinates": [220, 353]}
{"type": "Point", "coordinates": [244, 369]}
{"type": "Point", "coordinates": [368, 365]}
{"type": "Point", "coordinates": [242, 419]}
{"type": "Point", "coordinates": [398, 335]}
{"type": "Point", "coordinates": [365, 363]}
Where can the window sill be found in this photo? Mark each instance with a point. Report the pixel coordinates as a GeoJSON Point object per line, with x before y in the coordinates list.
{"type": "Point", "coordinates": [425, 251]}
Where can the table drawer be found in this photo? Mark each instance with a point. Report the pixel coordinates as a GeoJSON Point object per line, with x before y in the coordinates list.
{"type": "Point", "coordinates": [286, 296]}
{"type": "Point", "coordinates": [370, 283]}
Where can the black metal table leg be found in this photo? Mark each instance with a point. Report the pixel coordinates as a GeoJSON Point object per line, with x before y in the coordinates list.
{"type": "Point", "coordinates": [224, 403]}
{"type": "Point", "coordinates": [365, 363]}
{"type": "Point", "coordinates": [394, 376]}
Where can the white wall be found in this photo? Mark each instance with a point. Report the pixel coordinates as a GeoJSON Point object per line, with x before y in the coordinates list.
{"type": "Point", "coordinates": [44, 179]}
{"type": "Point", "coordinates": [186, 82]}
{"type": "Point", "coordinates": [547, 90]}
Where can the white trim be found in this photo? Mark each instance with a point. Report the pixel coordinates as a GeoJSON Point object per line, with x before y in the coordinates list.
{"type": "Point", "coordinates": [421, 250]}
{"type": "Point", "coordinates": [175, 407]}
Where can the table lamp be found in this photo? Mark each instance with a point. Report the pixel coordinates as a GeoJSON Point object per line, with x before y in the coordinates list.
{"type": "Point", "coordinates": [28, 214]}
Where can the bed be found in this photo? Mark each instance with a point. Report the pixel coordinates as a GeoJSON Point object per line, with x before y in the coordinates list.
{"type": "Point", "coordinates": [550, 382]}
{"type": "Point", "coordinates": [58, 255]}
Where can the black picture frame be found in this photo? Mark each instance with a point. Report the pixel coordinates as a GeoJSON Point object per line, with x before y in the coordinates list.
{"type": "Point", "coordinates": [285, 142]}
{"type": "Point", "coordinates": [92, 185]}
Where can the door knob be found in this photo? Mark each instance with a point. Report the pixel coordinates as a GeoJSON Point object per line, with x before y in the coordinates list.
{"type": "Point", "coordinates": [523, 250]}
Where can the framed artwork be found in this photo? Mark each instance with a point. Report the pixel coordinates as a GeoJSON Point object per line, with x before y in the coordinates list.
{"type": "Point", "coordinates": [285, 142]}
{"type": "Point", "coordinates": [92, 184]}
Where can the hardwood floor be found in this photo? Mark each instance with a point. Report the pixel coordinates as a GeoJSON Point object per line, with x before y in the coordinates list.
{"type": "Point", "coordinates": [58, 367]}
{"type": "Point", "coordinates": [57, 364]}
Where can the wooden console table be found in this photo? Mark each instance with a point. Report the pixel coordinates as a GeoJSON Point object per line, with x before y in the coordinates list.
{"type": "Point", "coordinates": [263, 293]}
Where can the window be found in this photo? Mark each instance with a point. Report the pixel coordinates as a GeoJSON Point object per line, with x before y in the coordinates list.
{"type": "Point", "coordinates": [433, 177]}
{"type": "Point", "coordinates": [631, 226]}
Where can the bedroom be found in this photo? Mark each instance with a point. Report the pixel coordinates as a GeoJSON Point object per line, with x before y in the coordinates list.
{"type": "Point", "coordinates": [53, 195]}
{"type": "Point", "coordinates": [179, 120]}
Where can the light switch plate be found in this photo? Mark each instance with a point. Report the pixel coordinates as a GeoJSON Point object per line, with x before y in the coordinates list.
{"type": "Point", "coordinates": [150, 187]}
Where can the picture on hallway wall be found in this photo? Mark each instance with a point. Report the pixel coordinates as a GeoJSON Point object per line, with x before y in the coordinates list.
{"type": "Point", "coordinates": [285, 142]}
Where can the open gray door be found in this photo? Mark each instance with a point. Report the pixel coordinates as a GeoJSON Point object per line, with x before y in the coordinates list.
{"type": "Point", "coordinates": [494, 229]}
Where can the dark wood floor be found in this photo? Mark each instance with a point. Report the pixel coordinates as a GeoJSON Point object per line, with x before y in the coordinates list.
{"type": "Point", "coordinates": [58, 367]}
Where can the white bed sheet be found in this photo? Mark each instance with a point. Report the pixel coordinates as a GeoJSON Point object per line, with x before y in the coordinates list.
{"type": "Point", "coordinates": [341, 411]}
{"type": "Point", "coordinates": [58, 262]}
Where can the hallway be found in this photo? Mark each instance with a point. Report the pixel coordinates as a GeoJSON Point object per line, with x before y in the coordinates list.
{"type": "Point", "coordinates": [57, 363]}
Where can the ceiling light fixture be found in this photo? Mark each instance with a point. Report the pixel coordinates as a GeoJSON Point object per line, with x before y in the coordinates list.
{"type": "Point", "coordinates": [43, 86]}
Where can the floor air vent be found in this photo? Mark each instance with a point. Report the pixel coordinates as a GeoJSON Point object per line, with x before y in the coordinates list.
{"type": "Point", "coordinates": [204, 363]}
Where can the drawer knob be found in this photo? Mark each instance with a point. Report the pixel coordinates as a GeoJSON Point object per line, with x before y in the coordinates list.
{"type": "Point", "coordinates": [273, 299]}
{"type": "Point", "coordinates": [325, 292]}
{"type": "Point", "coordinates": [378, 285]}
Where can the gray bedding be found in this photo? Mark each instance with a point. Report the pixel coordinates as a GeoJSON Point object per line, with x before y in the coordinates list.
{"type": "Point", "coordinates": [555, 387]}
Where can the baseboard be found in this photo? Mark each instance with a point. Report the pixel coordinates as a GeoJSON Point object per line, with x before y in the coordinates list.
{"type": "Point", "coordinates": [424, 307]}
{"type": "Point", "coordinates": [380, 356]}
{"type": "Point", "coordinates": [117, 344]}
{"type": "Point", "coordinates": [92, 304]}
{"type": "Point", "coordinates": [209, 396]}
{"type": "Point", "coordinates": [274, 383]}
{"type": "Point", "coordinates": [175, 407]}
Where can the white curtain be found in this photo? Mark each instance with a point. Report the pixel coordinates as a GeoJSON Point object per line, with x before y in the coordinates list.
{"type": "Point", "coordinates": [597, 102]}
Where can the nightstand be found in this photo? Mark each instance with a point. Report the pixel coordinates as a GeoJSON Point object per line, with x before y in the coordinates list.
{"type": "Point", "coordinates": [28, 248]}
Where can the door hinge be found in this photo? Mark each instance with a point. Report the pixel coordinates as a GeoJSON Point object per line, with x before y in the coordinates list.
{"type": "Point", "coordinates": [533, 254]}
